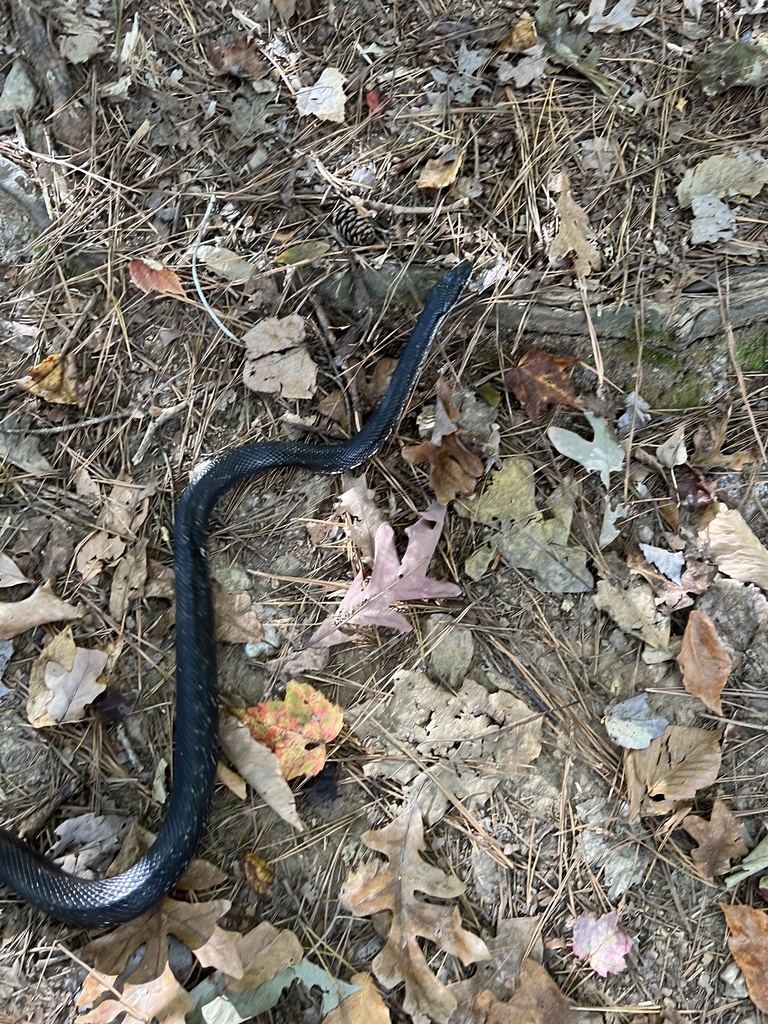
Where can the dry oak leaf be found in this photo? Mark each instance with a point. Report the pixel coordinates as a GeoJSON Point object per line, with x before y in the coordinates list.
{"type": "Point", "coordinates": [672, 769]}
{"type": "Point", "coordinates": [297, 728]}
{"type": "Point", "coordinates": [363, 1005]}
{"type": "Point", "coordinates": [55, 381]}
{"type": "Point", "coordinates": [161, 999]}
{"type": "Point", "coordinates": [749, 948]}
{"type": "Point", "coordinates": [575, 237]}
{"type": "Point", "coordinates": [521, 36]}
{"type": "Point", "coordinates": [64, 680]}
{"type": "Point", "coordinates": [455, 470]}
{"type": "Point", "coordinates": [151, 276]}
{"type": "Point", "coordinates": [440, 173]}
{"type": "Point", "coordinates": [193, 923]}
{"type": "Point", "coordinates": [536, 1000]}
{"type": "Point", "coordinates": [264, 951]}
{"type": "Point", "coordinates": [38, 609]}
{"type": "Point", "coordinates": [719, 840]}
{"type": "Point", "coordinates": [704, 662]}
{"type": "Point", "coordinates": [618, 19]}
{"type": "Point", "coordinates": [368, 602]}
{"type": "Point", "coordinates": [734, 548]}
{"type": "Point", "coordinates": [260, 767]}
{"type": "Point", "coordinates": [325, 99]}
{"type": "Point", "coordinates": [539, 379]}
{"type": "Point", "coordinates": [392, 887]}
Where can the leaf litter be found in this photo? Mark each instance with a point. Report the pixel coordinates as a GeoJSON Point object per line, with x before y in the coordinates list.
{"type": "Point", "coordinates": [657, 506]}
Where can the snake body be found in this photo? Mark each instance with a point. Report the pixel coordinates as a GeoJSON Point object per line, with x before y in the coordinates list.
{"type": "Point", "coordinates": [93, 903]}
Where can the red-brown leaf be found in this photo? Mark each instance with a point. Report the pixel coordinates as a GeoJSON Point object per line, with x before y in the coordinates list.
{"type": "Point", "coordinates": [539, 380]}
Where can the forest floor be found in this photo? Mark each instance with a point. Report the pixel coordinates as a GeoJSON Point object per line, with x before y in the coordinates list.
{"type": "Point", "coordinates": [524, 769]}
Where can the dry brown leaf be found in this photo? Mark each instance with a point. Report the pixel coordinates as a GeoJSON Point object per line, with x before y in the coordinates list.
{"type": "Point", "coordinates": [575, 237]}
{"type": "Point", "coordinates": [260, 767]}
{"type": "Point", "coordinates": [734, 548]}
{"type": "Point", "coordinates": [536, 1000]}
{"type": "Point", "coordinates": [672, 769]}
{"type": "Point", "coordinates": [64, 680]}
{"type": "Point", "coordinates": [128, 581]}
{"type": "Point", "coordinates": [10, 574]}
{"type": "Point", "coordinates": [455, 470]}
{"type": "Point", "coordinates": [200, 875]}
{"type": "Point", "coordinates": [125, 509]}
{"type": "Point", "coordinates": [440, 173]}
{"type": "Point", "coordinates": [235, 620]}
{"type": "Point", "coordinates": [235, 783]}
{"type": "Point", "coordinates": [539, 379]}
{"type": "Point", "coordinates": [161, 999]}
{"type": "Point", "coordinates": [704, 661]}
{"type": "Point", "coordinates": [365, 1005]}
{"type": "Point", "coordinates": [521, 36]}
{"type": "Point", "coordinates": [151, 276]}
{"type": "Point", "coordinates": [708, 441]}
{"type": "Point", "coordinates": [38, 609]}
{"type": "Point", "coordinates": [264, 951]}
{"type": "Point", "coordinates": [55, 381]}
{"type": "Point", "coordinates": [393, 887]}
{"type": "Point", "coordinates": [719, 840]}
{"type": "Point", "coordinates": [365, 515]}
{"type": "Point", "coordinates": [749, 948]}
{"type": "Point", "coordinates": [632, 607]}
{"type": "Point", "coordinates": [257, 874]}
{"type": "Point", "coordinates": [193, 923]}
{"type": "Point", "coordinates": [275, 360]}
{"type": "Point", "coordinates": [243, 59]}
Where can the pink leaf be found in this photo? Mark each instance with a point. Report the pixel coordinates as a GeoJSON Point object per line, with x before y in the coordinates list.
{"type": "Point", "coordinates": [600, 941]}
{"type": "Point", "coordinates": [368, 602]}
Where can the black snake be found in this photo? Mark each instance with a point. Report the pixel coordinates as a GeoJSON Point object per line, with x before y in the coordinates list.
{"type": "Point", "coordinates": [88, 903]}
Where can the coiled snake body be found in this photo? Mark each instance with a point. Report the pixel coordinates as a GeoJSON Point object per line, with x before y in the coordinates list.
{"type": "Point", "coordinates": [88, 903]}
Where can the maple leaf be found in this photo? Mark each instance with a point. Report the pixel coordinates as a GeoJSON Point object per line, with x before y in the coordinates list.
{"type": "Point", "coordinates": [162, 999]}
{"type": "Point", "coordinates": [368, 603]}
{"type": "Point", "coordinates": [296, 729]}
{"type": "Point", "coordinates": [151, 276]}
{"type": "Point", "coordinates": [193, 923]}
{"type": "Point", "coordinates": [575, 237]}
{"type": "Point", "coordinates": [55, 381]}
{"type": "Point", "coordinates": [704, 661]}
{"type": "Point", "coordinates": [539, 380]}
{"type": "Point", "coordinates": [377, 887]}
{"type": "Point", "coordinates": [672, 769]}
{"type": "Point", "coordinates": [719, 840]}
{"type": "Point", "coordinates": [600, 941]}
{"type": "Point", "coordinates": [749, 947]}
